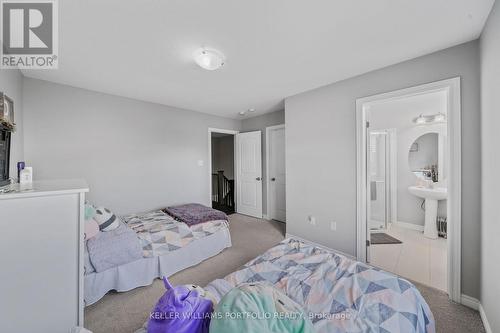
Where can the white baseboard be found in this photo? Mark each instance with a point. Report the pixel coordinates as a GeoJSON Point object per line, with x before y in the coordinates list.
{"type": "Point", "coordinates": [486, 324]}
{"type": "Point", "coordinates": [411, 226]}
{"type": "Point", "coordinates": [288, 235]}
{"type": "Point", "coordinates": [469, 302]}
{"type": "Point", "coordinates": [474, 303]}
{"type": "Point", "coordinates": [265, 217]}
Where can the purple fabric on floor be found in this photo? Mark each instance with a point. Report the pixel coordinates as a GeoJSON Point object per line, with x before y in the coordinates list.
{"type": "Point", "coordinates": [180, 310]}
{"type": "Point", "coordinates": [192, 214]}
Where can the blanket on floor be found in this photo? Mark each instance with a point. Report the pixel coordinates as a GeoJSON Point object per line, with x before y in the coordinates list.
{"type": "Point", "coordinates": [193, 213]}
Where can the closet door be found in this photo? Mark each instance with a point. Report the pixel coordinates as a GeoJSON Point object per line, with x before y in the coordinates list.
{"type": "Point", "coordinates": [277, 173]}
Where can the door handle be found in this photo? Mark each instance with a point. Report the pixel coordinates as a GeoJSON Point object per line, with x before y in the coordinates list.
{"type": "Point", "coordinates": [273, 179]}
{"type": "Point", "coordinates": [257, 179]}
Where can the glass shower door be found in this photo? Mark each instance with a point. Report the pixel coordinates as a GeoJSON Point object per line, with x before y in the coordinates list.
{"type": "Point", "coordinates": [378, 180]}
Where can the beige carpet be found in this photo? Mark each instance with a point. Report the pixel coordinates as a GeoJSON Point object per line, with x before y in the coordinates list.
{"type": "Point", "coordinates": [126, 312]}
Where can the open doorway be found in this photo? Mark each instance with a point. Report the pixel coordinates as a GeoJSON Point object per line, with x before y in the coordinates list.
{"type": "Point", "coordinates": [408, 202]}
{"type": "Point", "coordinates": [222, 170]}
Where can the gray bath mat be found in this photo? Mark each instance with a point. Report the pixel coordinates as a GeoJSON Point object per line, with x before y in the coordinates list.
{"type": "Point", "coordinates": [382, 238]}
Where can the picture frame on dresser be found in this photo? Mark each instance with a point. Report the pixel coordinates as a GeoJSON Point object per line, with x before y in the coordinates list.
{"type": "Point", "coordinates": [6, 110]}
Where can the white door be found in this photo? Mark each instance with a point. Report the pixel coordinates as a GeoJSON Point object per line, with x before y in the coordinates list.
{"type": "Point", "coordinates": [277, 173]}
{"type": "Point", "coordinates": [249, 174]}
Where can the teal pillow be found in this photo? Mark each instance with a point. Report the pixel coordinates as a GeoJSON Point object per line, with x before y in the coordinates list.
{"type": "Point", "coordinates": [259, 307]}
{"type": "Point", "coordinates": [89, 211]}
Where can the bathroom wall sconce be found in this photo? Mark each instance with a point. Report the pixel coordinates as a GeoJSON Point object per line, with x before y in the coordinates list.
{"type": "Point", "coordinates": [435, 118]}
{"type": "Point", "coordinates": [420, 120]}
{"type": "Point", "coordinates": [440, 117]}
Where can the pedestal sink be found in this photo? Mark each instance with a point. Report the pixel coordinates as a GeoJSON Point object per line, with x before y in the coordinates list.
{"type": "Point", "coordinates": [431, 196]}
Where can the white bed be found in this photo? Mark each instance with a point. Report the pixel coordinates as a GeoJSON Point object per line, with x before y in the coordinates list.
{"type": "Point", "coordinates": [142, 272]}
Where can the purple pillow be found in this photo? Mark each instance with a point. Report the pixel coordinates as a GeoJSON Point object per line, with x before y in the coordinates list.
{"type": "Point", "coordinates": [181, 310]}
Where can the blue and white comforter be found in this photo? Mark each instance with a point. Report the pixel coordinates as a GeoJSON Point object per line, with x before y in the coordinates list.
{"type": "Point", "coordinates": [339, 294]}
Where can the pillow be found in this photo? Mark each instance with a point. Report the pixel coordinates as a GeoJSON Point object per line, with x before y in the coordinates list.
{"type": "Point", "coordinates": [91, 229]}
{"type": "Point", "coordinates": [276, 311]}
{"type": "Point", "coordinates": [89, 211]}
{"type": "Point", "coordinates": [106, 219]}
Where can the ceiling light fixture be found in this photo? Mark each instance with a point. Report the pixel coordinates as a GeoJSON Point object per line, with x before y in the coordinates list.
{"type": "Point", "coordinates": [242, 113]}
{"type": "Point", "coordinates": [209, 59]}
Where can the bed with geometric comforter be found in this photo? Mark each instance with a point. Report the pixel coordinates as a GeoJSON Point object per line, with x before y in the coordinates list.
{"type": "Point", "coordinates": [168, 246]}
{"type": "Point", "coordinates": [339, 294]}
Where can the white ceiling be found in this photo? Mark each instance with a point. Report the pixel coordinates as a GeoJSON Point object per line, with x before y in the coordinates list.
{"type": "Point", "coordinates": [274, 48]}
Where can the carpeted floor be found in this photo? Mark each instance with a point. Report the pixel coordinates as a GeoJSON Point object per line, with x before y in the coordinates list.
{"type": "Point", "coordinates": [126, 312]}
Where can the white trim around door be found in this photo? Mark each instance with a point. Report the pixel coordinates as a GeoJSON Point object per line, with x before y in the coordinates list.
{"type": "Point", "coordinates": [452, 89]}
{"type": "Point", "coordinates": [209, 160]}
{"type": "Point", "coordinates": [270, 214]}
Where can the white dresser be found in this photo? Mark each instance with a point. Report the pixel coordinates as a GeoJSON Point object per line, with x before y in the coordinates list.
{"type": "Point", "coordinates": [41, 257]}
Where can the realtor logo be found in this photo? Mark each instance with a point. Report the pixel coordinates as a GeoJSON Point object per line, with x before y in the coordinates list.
{"type": "Point", "coordinates": [29, 34]}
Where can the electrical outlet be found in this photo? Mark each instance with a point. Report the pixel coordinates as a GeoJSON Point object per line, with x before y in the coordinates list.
{"type": "Point", "coordinates": [333, 226]}
{"type": "Point", "coordinates": [311, 219]}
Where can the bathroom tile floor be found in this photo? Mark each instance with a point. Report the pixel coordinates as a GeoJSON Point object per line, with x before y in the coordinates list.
{"type": "Point", "coordinates": [418, 258]}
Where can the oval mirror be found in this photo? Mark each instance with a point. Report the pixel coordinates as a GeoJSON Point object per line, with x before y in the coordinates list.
{"type": "Point", "coordinates": [423, 157]}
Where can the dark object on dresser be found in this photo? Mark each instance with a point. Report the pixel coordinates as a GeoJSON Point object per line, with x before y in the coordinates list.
{"type": "Point", "coordinates": [5, 138]}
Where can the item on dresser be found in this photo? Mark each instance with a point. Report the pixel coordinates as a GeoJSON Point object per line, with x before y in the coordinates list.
{"type": "Point", "coordinates": [20, 167]}
{"type": "Point", "coordinates": [194, 213]}
{"type": "Point", "coordinates": [26, 176]}
{"type": "Point", "coordinates": [114, 248]}
{"type": "Point", "coordinates": [181, 309]}
{"type": "Point", "coordinates": [106, 219]}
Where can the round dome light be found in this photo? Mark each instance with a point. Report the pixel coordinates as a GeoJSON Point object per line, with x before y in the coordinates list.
{"type": "Point", "coordinates": [209, 59]}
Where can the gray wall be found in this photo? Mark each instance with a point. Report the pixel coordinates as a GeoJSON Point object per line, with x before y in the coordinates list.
{"type": "Point", "coordinates": [135, 155]}
{"type": "Point", "coordinates": [11, 84]}
{"type": "Point", "coordinates": [321, 151]}
{"type": "Point", "coordinates": [260, 123]}
{"type": "Point", "coordinates": [223, 155]}
{"type": "Point", "coordinates": [490, 100]}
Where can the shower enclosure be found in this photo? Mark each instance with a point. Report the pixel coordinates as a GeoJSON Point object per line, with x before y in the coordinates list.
{"type": "Point", "coordinates": [381, 176]}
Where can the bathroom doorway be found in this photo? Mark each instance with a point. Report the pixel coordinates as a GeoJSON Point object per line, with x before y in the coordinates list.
{"type": "Point", "coordinates": [409, 183]}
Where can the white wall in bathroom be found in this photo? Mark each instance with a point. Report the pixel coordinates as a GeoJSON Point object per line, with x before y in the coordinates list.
{"type": "Point", "coordinates": [399, 114]}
